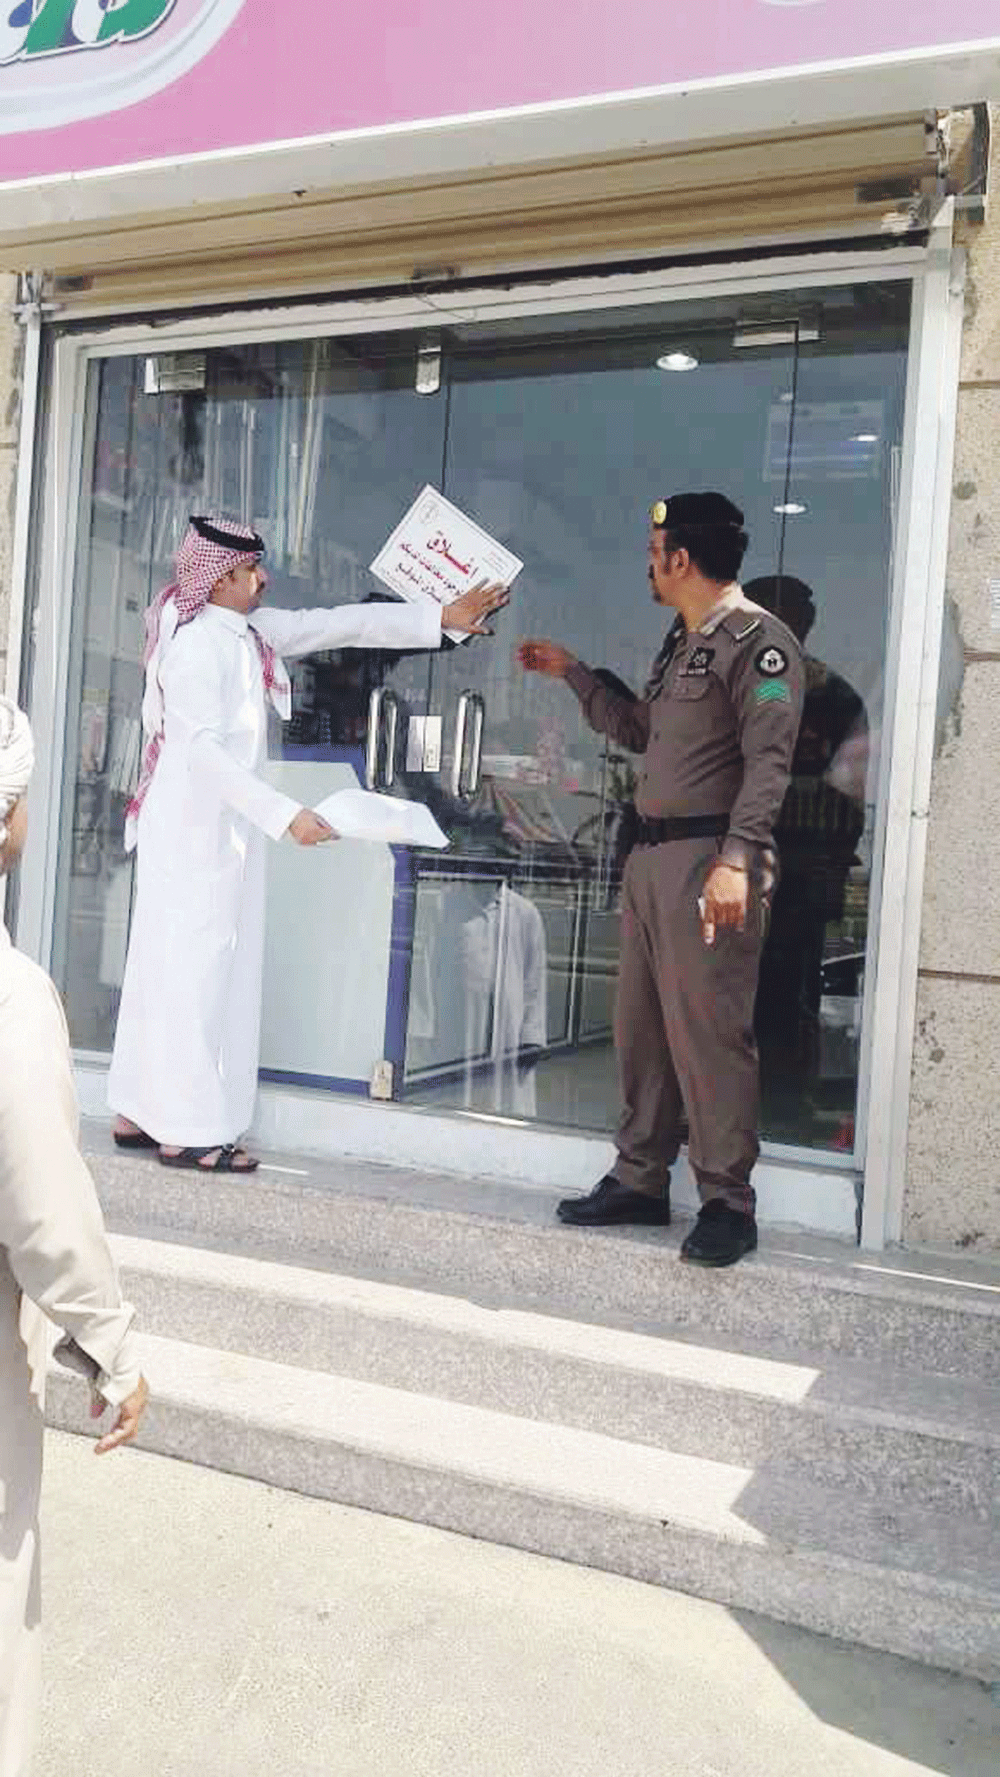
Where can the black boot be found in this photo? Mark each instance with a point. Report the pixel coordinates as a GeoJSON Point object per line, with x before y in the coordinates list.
{"type": "Point", "coordinates": [611, 1202]}
{"type": "Point", "coordinates": [720, 1236]}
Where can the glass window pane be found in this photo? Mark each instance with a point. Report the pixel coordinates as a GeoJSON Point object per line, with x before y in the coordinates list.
{"type": "Point", "coordinates": [318, 444]}
{"type": "Point", "coordinates": [831, 584]}
{"type": "Point", "coordinates": [557, 442]}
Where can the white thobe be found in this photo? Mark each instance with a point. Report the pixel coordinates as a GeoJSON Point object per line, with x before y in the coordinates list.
{"type": "Point", "coordinates": [55, 1263]}
{"type": "Point", "coordinates": [188, 1038]}
{"type": "Point", "coordinates": [506, 976]}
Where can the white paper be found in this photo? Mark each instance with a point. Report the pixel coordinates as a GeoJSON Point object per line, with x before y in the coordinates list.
{"type": "Point", "coordinates": [436, 553]}
{"type": "Point", "coordinates": [362, 814]}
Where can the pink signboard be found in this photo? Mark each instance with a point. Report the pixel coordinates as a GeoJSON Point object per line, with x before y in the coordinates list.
{"type": "Point", "coordinates": [88, 84]}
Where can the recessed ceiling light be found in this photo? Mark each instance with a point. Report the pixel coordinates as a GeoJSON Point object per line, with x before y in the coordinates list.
{"type": "Point", "coordinates": [676, 361]}
{"type": "Point", "coordinates": [865, 438]}
{"type": "Point", "coordinates": [791, 508]}
{"type": "Point", "coordinates": [787, 396]}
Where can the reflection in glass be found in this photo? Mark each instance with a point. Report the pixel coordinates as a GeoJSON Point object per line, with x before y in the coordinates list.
{"type": "Point", "coordinates": [807, 1030]}
{"type": "Point", "coordinates": [490, 1012]}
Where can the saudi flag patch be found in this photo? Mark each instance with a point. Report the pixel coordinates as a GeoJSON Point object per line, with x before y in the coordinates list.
{"type": "Point", "coordinates": [773, 691]}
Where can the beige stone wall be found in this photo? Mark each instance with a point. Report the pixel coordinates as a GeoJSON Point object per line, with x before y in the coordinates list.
{"type": "Point", "coordinates": [952, 1191]}
{"type": "Point", "coordinates": [10, 408]}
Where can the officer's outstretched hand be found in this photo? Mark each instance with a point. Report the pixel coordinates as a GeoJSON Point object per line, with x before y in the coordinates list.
{"type": "Point", "coordinates": [724, 900]}
{"type": "Point", "coordinates": [545, 657]}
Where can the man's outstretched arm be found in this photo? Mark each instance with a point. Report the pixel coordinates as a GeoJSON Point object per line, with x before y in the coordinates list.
{"type": "Point", "coordinates": [619, 715]}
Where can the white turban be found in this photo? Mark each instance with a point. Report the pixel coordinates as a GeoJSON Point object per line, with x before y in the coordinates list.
{"type": "Point", "coordinates": [17, 758]}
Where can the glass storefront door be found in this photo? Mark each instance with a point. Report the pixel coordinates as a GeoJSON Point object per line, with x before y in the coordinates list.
{"type": "Point", "coordinates": [562, 439]}
{"type": "Point", "coordinates": [483, 978]}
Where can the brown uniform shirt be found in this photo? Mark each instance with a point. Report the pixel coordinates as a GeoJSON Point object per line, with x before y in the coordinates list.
{"type": "Point", "coordinates": [716, 725]}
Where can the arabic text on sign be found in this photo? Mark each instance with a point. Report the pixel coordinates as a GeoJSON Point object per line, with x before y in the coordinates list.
{"type": "Point", "coordinates": [441, 546]}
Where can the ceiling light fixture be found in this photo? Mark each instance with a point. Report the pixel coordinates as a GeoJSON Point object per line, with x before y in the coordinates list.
{"type": "Point", "coordinates": [676, 361]}
{"type": "Point", "coordinates": [775, 335]}
{"type": "Point", "coordinates": [865, 438]}
{"type": "Point", "coordinates": [791, 508]}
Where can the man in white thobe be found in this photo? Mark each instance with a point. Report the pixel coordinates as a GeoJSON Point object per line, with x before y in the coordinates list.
{"type": "Point", "coordinates": [55, 1265]}
{"type": "Point", "coordinates": [184, 1072]}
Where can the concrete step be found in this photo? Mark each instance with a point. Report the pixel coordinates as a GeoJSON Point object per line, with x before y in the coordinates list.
{"type": "Point", "coordinates": [500, 1246]}
{"type": "Point", "coordinates": [895, 1437]}
{"type": "Point", "coordinates": [825, 1558]}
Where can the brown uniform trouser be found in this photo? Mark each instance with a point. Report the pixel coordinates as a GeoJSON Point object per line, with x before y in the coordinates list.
{"type": "Point", "coordinates": [684, 1029]}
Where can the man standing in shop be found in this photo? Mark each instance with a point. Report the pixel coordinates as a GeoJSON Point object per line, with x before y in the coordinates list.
{"type": "Point", "coordinates": [716, 725]}
{"type": "Point", "coordinates": [184, 1072]}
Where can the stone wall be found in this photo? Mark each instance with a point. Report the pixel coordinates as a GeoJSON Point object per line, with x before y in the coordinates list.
{"type": "Point", "coordinates": [952, 1191]}
{"type": "Point", "coordinates": [10, 409]}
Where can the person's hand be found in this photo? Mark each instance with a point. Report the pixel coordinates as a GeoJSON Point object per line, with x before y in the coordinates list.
{"type": "Point", "coordinates": [724, 900]}
{"type": "Point", "coordinates": [310, 829]}
{"type": "Point", "coordinates": [127, 1424]}
{"type": "Point", "coordinates": [545, 657]}
{"type": "Point", "coordinates": [469, 613]}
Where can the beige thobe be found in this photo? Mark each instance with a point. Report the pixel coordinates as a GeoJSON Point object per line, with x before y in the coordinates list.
{"type": "Point", "coordinates": [55, 1266]}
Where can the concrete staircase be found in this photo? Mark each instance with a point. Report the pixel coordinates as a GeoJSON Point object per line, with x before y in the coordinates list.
{"type": "Point", "coordinates": [813, 1436]}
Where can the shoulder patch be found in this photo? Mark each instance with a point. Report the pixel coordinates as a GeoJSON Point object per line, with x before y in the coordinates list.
{"type": "Point", "coordinates": [772, 661]}
{"type": "Point", "coordinates": [772, 691]}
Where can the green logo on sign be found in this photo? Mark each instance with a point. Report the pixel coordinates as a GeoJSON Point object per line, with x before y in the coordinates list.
{"type": "Point", "coordinates": [45, 27]}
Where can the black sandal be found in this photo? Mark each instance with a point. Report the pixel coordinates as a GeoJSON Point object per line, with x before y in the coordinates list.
{"type": "Point", "coordinates": [138, 1139]}
{"type": "Point", "coordinates": [192, 1158]}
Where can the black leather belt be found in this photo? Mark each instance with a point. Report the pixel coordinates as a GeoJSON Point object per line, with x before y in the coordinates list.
{"type": "Point", "coordinates": [687, 826]}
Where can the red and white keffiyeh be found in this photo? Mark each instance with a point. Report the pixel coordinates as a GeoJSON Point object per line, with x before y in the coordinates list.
{"type": "Point", "coordinates": [210, 549]}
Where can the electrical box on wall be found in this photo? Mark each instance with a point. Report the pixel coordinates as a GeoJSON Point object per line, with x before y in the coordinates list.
{"type": "Point", "coordinates": [380, 1085]}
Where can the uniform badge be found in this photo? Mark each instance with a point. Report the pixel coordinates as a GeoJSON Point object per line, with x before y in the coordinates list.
{"type": "Point", "coordinates": [699, 663]}
{"type": "Point", "coordinates": [772, 691]}
{"type": "Point", "coordinates": [772, 662]}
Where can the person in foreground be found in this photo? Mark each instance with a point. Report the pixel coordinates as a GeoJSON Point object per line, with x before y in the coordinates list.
{"type": "Point", "coordinates": [183, 1074]}
{"type": "Point", "coordinates": [716, 725]}
{"type": "Point", "coordinates": [55, 1265]}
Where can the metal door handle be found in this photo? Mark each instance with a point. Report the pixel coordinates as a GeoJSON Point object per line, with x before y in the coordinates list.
{"type": "Point", "coordinates": [371, 741]}
{"type": "Point", "coordinates": [381, 702]}
{"type": "Point", "coordinates": [461, 790]}
{"type": "Point", "coordinates": [461, 717]}
{"type": "Point", "coordinates": [476, 761]}
{"type": "Point", "coordinates": [392, 705]}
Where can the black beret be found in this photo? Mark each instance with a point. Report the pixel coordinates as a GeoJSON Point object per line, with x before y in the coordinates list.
{"type": "Point", "coordinates": [706, 511]}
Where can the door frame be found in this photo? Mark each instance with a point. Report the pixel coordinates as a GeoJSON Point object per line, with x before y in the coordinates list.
{"type": "Point", "coordinates": [912, 660]}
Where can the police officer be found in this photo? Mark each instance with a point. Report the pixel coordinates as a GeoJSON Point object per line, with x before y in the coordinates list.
{"type": "Point", "coordinates": [716, 726]}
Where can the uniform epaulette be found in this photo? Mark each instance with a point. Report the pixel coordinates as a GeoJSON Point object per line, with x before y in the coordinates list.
{"type": "Point", "coordinates": [740, 631]}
